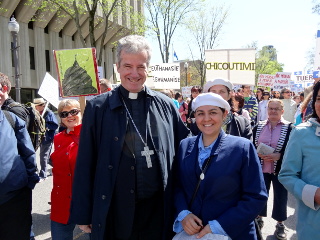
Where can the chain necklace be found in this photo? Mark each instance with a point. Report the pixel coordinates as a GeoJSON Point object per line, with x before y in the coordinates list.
{"type": "Point", "coordinates": [146, 152]}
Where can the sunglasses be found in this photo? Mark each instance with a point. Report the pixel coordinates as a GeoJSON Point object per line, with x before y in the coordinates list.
{"type": "Point", "coordinates": [287, 92]}
{"type": "Point", "coordinates": [73, 112]}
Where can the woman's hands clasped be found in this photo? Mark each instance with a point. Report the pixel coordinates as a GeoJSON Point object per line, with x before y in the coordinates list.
{"type": "Point", "coordinates": [192, 225]}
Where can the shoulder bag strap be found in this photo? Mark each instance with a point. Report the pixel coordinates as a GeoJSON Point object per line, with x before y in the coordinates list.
{"type": "Point", "coordinates": [201, 177]}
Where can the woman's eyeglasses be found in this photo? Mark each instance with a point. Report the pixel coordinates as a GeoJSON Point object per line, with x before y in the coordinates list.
{"type": "Point", "coordinates": [73, 112]}
{"type": "Point", "coordinates": [274, 109]}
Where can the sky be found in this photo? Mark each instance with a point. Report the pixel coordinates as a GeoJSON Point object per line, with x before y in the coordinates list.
{"type": "Point", "coordinates": [288, 25]}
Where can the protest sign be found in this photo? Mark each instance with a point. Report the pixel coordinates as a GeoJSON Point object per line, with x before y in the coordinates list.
{"type": "Point", "coordinates": [77, 72]}
{"type": "Point", "coordinates": [303, 78]}
{"type": "Point", "coordinates": [186, 91]}
{"type": "Point", "coordinates": [166, 75]}
{"type": "Point", "coordinates": [49, 90]}
{"type": "Point", "coordinates": [281, 80]}
{"type": "Point", "coordinates": [236, 65]}
{"type": "Point", "coordinates": [266, 80]}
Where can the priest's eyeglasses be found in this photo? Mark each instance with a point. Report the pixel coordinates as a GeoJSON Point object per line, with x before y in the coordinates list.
{"type": "Point", "coordinates": [73, 112]}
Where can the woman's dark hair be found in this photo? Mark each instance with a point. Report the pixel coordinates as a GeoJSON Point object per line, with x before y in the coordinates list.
{"type": "Point", "coordinates": [177, 95]}
{"type": "Point", "coordinates": [261, 90]}
{"type": "Point", "coordinates": [193, 89]}
{"type": "Point", "coordinates": [196, 89]}
{"type": "Point", "coordinates": [316, 89]}
{"type": "Point", "coordinates": [239, 98]}
{"type": "Point", "coordinates": [265, 93]}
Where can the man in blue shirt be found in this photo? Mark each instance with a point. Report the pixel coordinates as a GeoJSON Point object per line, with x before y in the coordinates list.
{"type": "Point", "coordinates": [17, 178]}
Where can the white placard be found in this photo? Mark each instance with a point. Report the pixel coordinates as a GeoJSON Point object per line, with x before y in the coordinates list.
{"type": "Point", "coordinates": [281, 81]}
{"type": "Point", "coordinates": [266, 80]}
{"type": "Point", "coordinates": [303, 78]}
{"type": "Point", "coordinates": [100, 72]}
{"type": "Point", "coordinates": [166, 75]}
{"type": "Point", "coordinates": [237, 65]}
{"type": "Point", "coordinates": [49, 90]}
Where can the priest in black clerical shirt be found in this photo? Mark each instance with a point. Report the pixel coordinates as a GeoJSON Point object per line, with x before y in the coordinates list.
{"type": "Point", "coordinates": [123, 184]}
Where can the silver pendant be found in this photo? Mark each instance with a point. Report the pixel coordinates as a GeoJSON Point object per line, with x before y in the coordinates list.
{"type": "Point", "coordinates": [202, 176]}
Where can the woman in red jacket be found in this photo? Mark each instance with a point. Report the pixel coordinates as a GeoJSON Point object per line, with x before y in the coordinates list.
{"type": "Point", "coordinates": [63, 161]}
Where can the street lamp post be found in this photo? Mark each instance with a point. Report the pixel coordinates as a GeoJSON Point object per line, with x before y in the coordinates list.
{"type": "Point", "coordinates": [186, 70]}
{"type": "Point", "coordinates": [13, 27]}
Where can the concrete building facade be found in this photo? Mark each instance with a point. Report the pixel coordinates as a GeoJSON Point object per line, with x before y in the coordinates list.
{"type": "Point", "coordinates": [38, 39]}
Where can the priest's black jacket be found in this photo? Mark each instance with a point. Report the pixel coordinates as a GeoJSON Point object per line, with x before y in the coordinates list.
{"type": "Point", "coordinates": [101, 141]}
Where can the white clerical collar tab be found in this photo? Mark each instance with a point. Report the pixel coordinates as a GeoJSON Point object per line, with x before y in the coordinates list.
{"type": "Point", "coordinates": [133, 95]}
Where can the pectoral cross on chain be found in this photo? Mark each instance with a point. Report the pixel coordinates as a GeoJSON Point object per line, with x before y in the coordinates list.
{"type": "Point", "coordinates": [147, 153]}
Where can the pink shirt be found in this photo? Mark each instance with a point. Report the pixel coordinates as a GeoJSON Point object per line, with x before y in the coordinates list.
{"type": "Point", "coordinates": [270, 137]}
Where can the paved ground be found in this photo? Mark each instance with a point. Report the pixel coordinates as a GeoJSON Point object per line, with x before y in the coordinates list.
{"type": "Point", "coordinates": [41, 215]}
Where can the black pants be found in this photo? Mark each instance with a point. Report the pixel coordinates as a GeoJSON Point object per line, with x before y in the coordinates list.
{"type": "Point", "coordinates": [148, 221]}
{"type": "Point", "coordinates": [280, 198]}
{"type": "Point", "coordinates": [15, 216]}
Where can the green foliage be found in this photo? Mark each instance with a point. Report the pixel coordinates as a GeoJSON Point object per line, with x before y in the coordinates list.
{"type": "Point", "coordinates": [2, 10]}
{"type": "Point", "coordinates": [266, 62]}
{"type": "Point", "coordinates": [100, 13]}
{"type": "Point", "coordinates": [192, 74]}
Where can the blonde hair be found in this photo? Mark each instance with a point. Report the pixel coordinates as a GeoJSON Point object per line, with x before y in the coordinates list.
{"type": "Point", "coordinates": [276, 100]}
{"type": "Point", "coordinates": [68, 102]}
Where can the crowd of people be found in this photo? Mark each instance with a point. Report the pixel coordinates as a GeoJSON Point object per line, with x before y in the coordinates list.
{"type": "Point", "coordinates": [143, 164]}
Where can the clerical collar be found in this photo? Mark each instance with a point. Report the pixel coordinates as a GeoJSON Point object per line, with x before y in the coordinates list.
{"type": "Point", "coordinates": [129, 95]}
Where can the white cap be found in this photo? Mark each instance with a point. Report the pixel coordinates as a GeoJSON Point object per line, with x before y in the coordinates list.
{"type": "Point", "coordinates": [218, 81]}
{"type": "Point", "coordinates": [211, 99]}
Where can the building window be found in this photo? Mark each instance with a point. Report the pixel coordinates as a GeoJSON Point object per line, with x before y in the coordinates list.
{"type": "Point", "coordinates": [32, 60]}
{"type": "Point", "coordinates": [72, 37]}
{"type": "Point", "coordinates": [46, 30]}
{"type": "Point", "coordinates": [47, 61]}
{"type": "Point", "coordinates": [30, 25]}
{"type": "Point", "coordinates": [60, 34]}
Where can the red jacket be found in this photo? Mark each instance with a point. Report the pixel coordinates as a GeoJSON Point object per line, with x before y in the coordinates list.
{"type": "Point", "coordinates": [63, 161]}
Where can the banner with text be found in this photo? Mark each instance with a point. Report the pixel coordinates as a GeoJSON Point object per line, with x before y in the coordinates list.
{"type": "Point", "coordinates": [166, 75]}
{"type": "Point", "coordinates": [281, 80]}
{"type": "Point", "coordinates": [186, 91]}
{"type": "Point", "coordinates": [266, 80]}
{"type": "Point", "coordinates": [237, 65]}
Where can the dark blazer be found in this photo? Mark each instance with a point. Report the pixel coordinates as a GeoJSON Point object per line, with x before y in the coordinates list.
{"type": "Point", "coordinates": [240, 126]}
{"type": "Point", "coordinates": [233, 191]}
{"type": "Point", "coordinates": [101, 141]}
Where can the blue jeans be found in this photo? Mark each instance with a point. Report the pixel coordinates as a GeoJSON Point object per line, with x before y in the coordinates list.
{"type": "Point", "coordinates": [60, 231]}
{"type": "Point", "coordinates": [45, 150]}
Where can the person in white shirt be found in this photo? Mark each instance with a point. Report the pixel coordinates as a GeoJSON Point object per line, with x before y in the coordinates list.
{"type": "Point", "coordinates": [262, 107]}
{"type": "Point", "coordinates": [290, 106]}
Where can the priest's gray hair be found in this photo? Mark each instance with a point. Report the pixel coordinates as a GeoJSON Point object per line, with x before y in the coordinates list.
{"type": "Point", "coordinates": [133, 44]}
